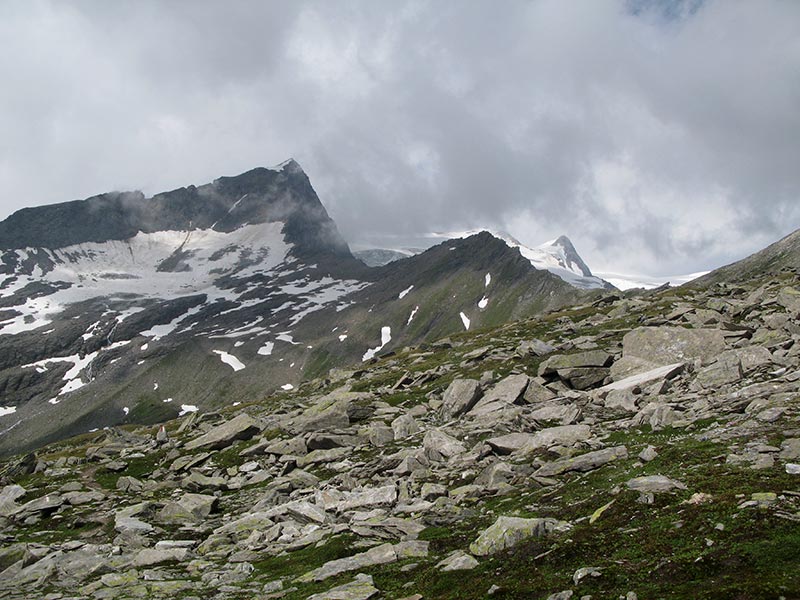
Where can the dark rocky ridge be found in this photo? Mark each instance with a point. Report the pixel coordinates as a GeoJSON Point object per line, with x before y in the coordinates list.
{"type": "Point", "coordinates": [257, 196]}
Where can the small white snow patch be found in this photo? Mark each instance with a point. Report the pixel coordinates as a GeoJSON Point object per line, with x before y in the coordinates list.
{"type": "Point", "coordinates": [7, 410]}
{"type": "Point", "coordinates": [487, 280]}
{"type": "Point", "coordinates": [167, 400]}
{"type": "Point", "coordinates": [483, 303]}
{"type": "Point", "coordinates": [343, 337]}
{"type": "Point", "coordinates": [285, 337]}
{"type": "Point", "coordinates": [287, 387]}
{"type": "Point", "coordinates": [464, 320]}
{"type": "Point", "coordinates": [143, 347]}
{"type": "Point", "coordinates": [404, 293]}
{"type": "Point", "coordinates": [237, 344]}
{"type": "Point", "coordinates": [155, 386]}
{"type": "Point", "coordinates": [411, 316]}
{"type": "Point", "coordinates": [54, 401]}
{"type": "Point", "coordinates": [386, 337]}
{"type": "Point", "coordinates": [186, 409]}
{"type": "Point", "coordinates": [266, 349]}
{"type": "Point", "coordinates": [126, 410]}
{"type": "Point", "coordinates": [230, 360]}
{"type": "Point", "coordinates": [236, 404]}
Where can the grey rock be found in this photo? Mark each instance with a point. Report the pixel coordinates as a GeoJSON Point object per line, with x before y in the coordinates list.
{"type": "Point", "coordinates": [650, 347]}
{"type": "Point", "coordinates": [439, 445]}
{"type": "Point", "coordinates": [790, 449]}
{"type": "Point", "coordinates": [726, 369]}
{"type": "Point", "coordinates": [457, 560]}
{"type": "Point", "coordinates": [459, 397]}
{"type": "Point", "coordinates": [361, 588]}
{"type": "Point", "coordinates": [580, 360]}
{"type": "Point", "coordinates": [537, 394]}
{"type": "Point", "coordinates": [190, 508]}
{"type": "Point", "coordinates": [565, 414]}
{"type": "Point", "coordinates": [196, 482]}
{"type": "Point", "coordinates": [534, 347]}
{"type": "Point", "coordinates": [379, 555]}
{"type": "Point", "coordinates": [654, 484]}
{"type": "Point", "coordinates": [507, 390]}
{"type": "Point", "coordinates": [380, 435]}
{"type": "Point", "coordinates": [404, 426]}
{"type": "Point", "coordinates": [510, 531]}
{"type": "Point", "coordinates": [583, 462]}
{"type": "Point", "coordinates": [241, 427]}
{"type": "Point", "coordinates": [648, 454]}
{"type": "Point", "coordinates": [148, 557]}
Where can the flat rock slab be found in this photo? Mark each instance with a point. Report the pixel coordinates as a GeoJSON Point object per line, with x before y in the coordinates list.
{"type": "Point", "coordinates": [579, 360]}
{"type": "Point", "coordinates": [654, 484]}
{"type": "Point", "coordinates": [507, 390]}
{"type": "Point", "coordinates": [510, 531]}
{"type": "Point", "coordinates": [379, 555]}
{"type": "Point", "coordinates": [241, 427]}
{"type": "Point", "coordinates": [584, 462]}
{"type": "Point", "coordinates": [361, 588]}
{"type": "Point", "coordinates": [665, 372]}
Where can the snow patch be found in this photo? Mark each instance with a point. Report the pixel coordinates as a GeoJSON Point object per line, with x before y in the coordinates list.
{"type": "Point", "coordinates": [126, 410]}
{"type": "Point", "coordinates": [411, 316]}
{"type": "Point", "coordinates": [487, 280]}
{"type": "Point", "coordinates": [483, 303]}
{"type": "Point", "coordinates": [7, 410]}
{"type": "Point", "coordinates": [386, 337]}
{"type": "Point", "coordinates": [287, 387]}
{"type": "Point", "coordinates": [186, 409]}
{"type": "Point", "coordinates": [465, 320]}
{"type": "Point", "coordinates": [404, 293]}
{"type": "Point", "coordinates": [266, 349]}
{"type": "Point", "coordinates": [343, 337]}
{"type": "Point", "coordinates": [230, 360]}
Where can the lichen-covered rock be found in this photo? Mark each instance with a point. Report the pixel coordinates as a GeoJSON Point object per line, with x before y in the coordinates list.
{"type": "Point", "coordinates": [510, 531]}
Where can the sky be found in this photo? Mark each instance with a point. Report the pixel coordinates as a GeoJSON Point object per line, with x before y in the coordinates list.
{"type": "Point", "coordinates": [661, 136]}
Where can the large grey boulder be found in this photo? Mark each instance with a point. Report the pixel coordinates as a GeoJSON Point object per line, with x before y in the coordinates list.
{"type": "Point", "coordinates": [564, 435]}
{"type": "Point", "coordinates": [507, 391]}
{"type": "Point", "coordinates": [459, 397]}
{"type": "Point", "coordinates": [510, 531]}
{"type": "Point", "coordinates": [333, 411]}
{"type": "Point", "coordinates": [190, 508]}
{"type": "Point", "coordinates": [439, 445]}
{"type": "Point", "coordinates": [241, 427]}
{"type": "Point", "coordinates": [584, 462]}
{"type": "Point", "coordinates": [645, 348]}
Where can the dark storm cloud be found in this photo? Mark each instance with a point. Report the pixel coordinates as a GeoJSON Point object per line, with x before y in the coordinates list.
{"type": "Point", "coordinates": [662, 136]}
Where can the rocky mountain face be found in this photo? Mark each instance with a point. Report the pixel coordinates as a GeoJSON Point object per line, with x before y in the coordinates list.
{"type": "Point", "coordinates": [125, 309]}
{"type": "Point", "coordinates": [638, 445]}
{"type": "Point", "coordinates": [783, 254]}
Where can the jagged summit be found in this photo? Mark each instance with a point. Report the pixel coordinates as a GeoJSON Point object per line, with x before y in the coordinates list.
{"type": "Point", "coordinates": [262, 195]}
{"type": "Point", "coordinates": [571, 256]}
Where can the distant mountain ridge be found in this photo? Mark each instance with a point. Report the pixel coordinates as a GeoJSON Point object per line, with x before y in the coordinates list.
{"type": "Point", "coordinates": [558, 256]}
{"type": "Point", "coordinates": [121, 308]}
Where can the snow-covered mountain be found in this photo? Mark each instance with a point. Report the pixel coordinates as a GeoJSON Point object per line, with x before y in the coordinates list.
{"type": "Point", "coordinates": [124, 308]}
{"type": "Point", "coordinates": [557, 256]}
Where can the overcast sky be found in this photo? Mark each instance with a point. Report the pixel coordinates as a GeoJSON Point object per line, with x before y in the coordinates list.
{"type": "Point", "coordinates": [661, 136]}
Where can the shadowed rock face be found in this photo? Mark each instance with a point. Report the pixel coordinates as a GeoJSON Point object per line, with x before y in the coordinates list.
{"type": "Point", "coordinates": [258, 196]}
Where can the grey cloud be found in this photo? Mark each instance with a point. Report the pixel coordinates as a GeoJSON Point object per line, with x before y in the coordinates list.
{"type": "Point", "coordinates": [661, 136]}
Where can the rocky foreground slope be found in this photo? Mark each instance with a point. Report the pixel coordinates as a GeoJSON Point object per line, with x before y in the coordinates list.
{"type": "Point", "coordinates": [643, 446]}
